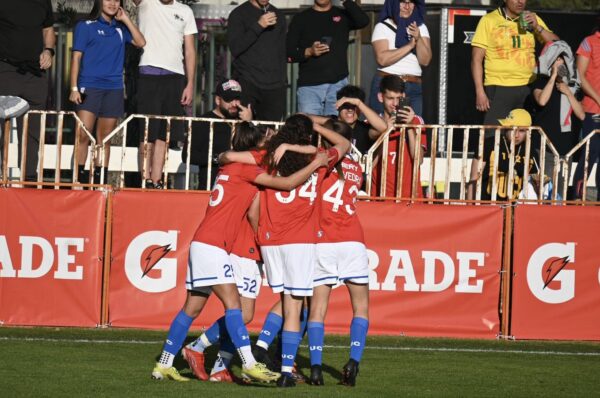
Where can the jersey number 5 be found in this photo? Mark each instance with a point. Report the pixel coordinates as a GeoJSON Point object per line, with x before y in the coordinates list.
{"type": "Point", "coordinates": [219, 190]}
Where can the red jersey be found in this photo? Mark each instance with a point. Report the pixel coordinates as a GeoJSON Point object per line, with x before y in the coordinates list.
{"type": "Point", "coordinates": [230, 198]}
{"type": "Point", "coordinates": [245, 243]}
{"type": "Point", "coordinates": [338, 220]}
{"type": "Point", "coordinates": [393, 156]}
{"type": "Point", "coordinates": [290, 217]}
{"type": "Point", "coordinates": [590, 48]}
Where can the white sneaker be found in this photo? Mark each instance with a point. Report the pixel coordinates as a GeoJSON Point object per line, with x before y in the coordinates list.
{"type": "Point", "coordinates": [12, 106]}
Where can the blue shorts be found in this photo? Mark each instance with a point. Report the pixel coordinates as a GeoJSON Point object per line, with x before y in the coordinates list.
{"type": "Point", "coordinates": [101, 102]}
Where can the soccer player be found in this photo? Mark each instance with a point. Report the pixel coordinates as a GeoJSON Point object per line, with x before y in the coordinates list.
{"type": "Point", "coordinates": [210, 268]}
{"type": "Point", "coordinates": [287, 229]}
{"type": "Point", "coordinates": [245, 256]}
{"type": "Point", "coordinates": [341, 256]}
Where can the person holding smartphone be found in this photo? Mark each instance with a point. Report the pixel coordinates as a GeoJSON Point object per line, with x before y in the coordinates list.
{"type": "Point", "coordinates": [97, 74]}
{"type": "Point", "coordinates": [397, 110]}
{"type": "Point", "coordinates": [318, 41]}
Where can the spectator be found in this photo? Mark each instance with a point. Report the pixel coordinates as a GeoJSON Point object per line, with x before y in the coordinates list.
{"type": "Point", "coordinates": [350, 105]}
{"type": "Point", "coordinates": [166, 81]}
{"type": "Point", "coordinates": [521, 119]}
{"type": "Point", "coordinates": [396, 110]}
{"type": "Point", "coordinates": [555, 103]}
{"type": "Point", "coordinates": [508, 52]}
{"type": "Point", "coordinates": [256, 38]}
{"type": "Point", "coordinates": [97, 74]}
{"type": "Point", "coordinates": [227, 106]}
{"type": "Point", "coordinates": [588, 67]}
{"type": "Point", "coordinates": [26, 49]}
{"type": "Point", "coordinates": [318, 41]}
{"type": "Point", "coordinates": [401, 45]}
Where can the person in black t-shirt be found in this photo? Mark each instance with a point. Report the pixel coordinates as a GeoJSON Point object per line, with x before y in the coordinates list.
{"type": "Point", "coordinates": [227, 106]}
{"type": "Point", "coordinates": [550, 94]}
{"type": "Point", "coordinates": [318, 40]}
{"type": "Point", "coordinates": [256, 38]}
{"type": "Point", "coordinates": [27, 42]}
{"type": "Point", "coordinates": [521, 119]}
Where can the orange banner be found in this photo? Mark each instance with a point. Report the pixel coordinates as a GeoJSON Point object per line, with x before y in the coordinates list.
{"type": "Point", "coordinates": [556, 273]}
{"type": "Point", "coordinates": [434, 268]}
{"type": "Point", "coordinates": [51, 245]}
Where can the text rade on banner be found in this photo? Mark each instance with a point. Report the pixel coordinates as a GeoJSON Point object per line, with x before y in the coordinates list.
{"type": "Point", "coordinates": [556, 273]}
{"type": "Point", "coordinates": [51, 254]}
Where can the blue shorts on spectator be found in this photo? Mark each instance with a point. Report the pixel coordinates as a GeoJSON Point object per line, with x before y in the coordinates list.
{"type": "Point", "coordinates": [105, 103]}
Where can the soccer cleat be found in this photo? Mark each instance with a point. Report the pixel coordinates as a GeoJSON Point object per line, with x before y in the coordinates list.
{"type": "Point", "coordinates": [316, 375]}
{"type": "Point", "coordinates": [262, 355]}
{"type": "Point", "coordinates": [297, 375]}
{"type": "Point", "coordinates": [349, 373]}
{"type": "Point", "coordinates": [259, 372]}
{"type": "Point", "coordinates": [286, 380]}
{"type": "Point", "coordinates": [159, 373]}
{"type": "Point", "coordinates": [223, 376]}
{"type": "Point", "coordinates": [196, 361]}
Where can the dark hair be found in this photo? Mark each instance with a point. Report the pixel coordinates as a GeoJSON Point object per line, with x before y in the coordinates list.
{"type": "Point", "coordinates": [246, 136]}
{"type": "Point", "coordinates": [296, 130]}
{"type": "Point", "coordinates": [343, 129]}
{"type": "Point", "coordinates": [391, 83]}
{"type": "Point", "coordinates": [97, 9]}
{"type": "Point", "coordinates": [350, 91]}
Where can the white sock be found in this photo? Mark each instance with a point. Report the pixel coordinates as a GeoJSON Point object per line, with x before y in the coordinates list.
{"type": "Point", "coordinates": [246, 356]}
{"type": "Point", "coordinates": [262, 344]}
{"type": "Point", "coordinates": [200, 344]}
{"type": "Point", "coordinates": [166, 360]}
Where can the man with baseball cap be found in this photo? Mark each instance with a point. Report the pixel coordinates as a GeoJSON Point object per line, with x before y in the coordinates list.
{"type": "Point", "coordinates": [227, 106]}
{"type": "Point", "coordinates": [520, 119]}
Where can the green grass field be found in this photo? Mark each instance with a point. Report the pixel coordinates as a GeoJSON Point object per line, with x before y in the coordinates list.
{"type": "Point", "coordinates": [51, 362]}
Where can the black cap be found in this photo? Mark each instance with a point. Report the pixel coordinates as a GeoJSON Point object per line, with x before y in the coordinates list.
{"type": "Point", "coordinates": [229, 90]}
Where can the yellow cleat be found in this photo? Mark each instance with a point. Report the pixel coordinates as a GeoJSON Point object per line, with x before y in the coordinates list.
{"type": "Point", "coordinates": [259, 372]}
{"type": "Point", "coordinates": [160, 373]}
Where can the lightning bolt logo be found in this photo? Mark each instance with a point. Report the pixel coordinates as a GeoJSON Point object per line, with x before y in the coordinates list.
{"type": "Point", "coordinates": [554, 268]}
{"type": "Point", "coordinates": [154, 257]}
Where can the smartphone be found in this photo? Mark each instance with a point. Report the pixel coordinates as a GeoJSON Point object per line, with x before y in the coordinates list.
{"type": "Point", "coordinates": [82, 95]}
{"type": "Point", "coordinates": [402, 103]}
{"type": "Point", "coordinates": [326, 40]}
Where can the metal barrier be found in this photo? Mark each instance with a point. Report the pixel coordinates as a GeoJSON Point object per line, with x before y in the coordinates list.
{"type": "Point", "coordinates": [433, 163]}
{"type": "Point", "coordinates": [567, 162]}
{"type": "Point", "coordinates": [438, 168]}
{"type": "Point", "coordinates": [56, 152]}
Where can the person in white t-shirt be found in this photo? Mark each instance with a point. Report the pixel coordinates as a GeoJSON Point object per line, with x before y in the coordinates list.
{"type": "Point", "coordinates": [401, 45]}
{"type": "Point", "coordinates": [166, 79]}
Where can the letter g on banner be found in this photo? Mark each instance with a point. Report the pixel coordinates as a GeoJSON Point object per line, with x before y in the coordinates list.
{"type": "Point", "coordinates": [538, 279]}
{"type": "Point", "coordinates": [137, 268]}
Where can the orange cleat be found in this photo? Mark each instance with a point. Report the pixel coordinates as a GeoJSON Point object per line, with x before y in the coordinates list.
{"type": "Point", "coordinates": [222, 376]}
{"type": "Point", "coordinates": [196, 361]}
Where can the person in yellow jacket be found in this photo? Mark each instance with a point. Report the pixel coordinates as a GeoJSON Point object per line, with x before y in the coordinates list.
{"type": "Point", "coordinates": [504, 48]}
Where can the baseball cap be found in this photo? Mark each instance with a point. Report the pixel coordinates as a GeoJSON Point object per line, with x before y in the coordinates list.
{"type": "Point", "coordinates": [229, 90]}
{"type": "Point", "coordinates": [517, 118]}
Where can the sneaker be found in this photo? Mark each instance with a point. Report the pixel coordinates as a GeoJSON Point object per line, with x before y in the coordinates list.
{"type": "Point", "coordinates": [286, 380]}
{"type": "Point", "coordinates": [11, 106]}
{"type": "Point", "coordinates": [149, 184]}
{"type": "Point", "coordinates": [316, 375]}
{"type": "Point", "coordinates": [160, 373]}
{"type": "Point", "coordinates": [349, 373]}
{"type": "Point", "coordinates": [222, 376]}
{"type": "Point", "coordinates": [159, 185]}
{"type": "Point", "coordinates": [262, 355]}
{"type": "Point", "coordinates": [196, 361]}
{"type": "Point", "coordinates": [259, 372]}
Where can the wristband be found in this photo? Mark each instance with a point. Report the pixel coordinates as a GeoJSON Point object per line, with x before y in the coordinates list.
{"type": "Point", "coordinates": [74, 88]}
{"type": "Point", "coordinates": [50, 50]}
{"type": "Point", "coordinates": [540, 29]}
